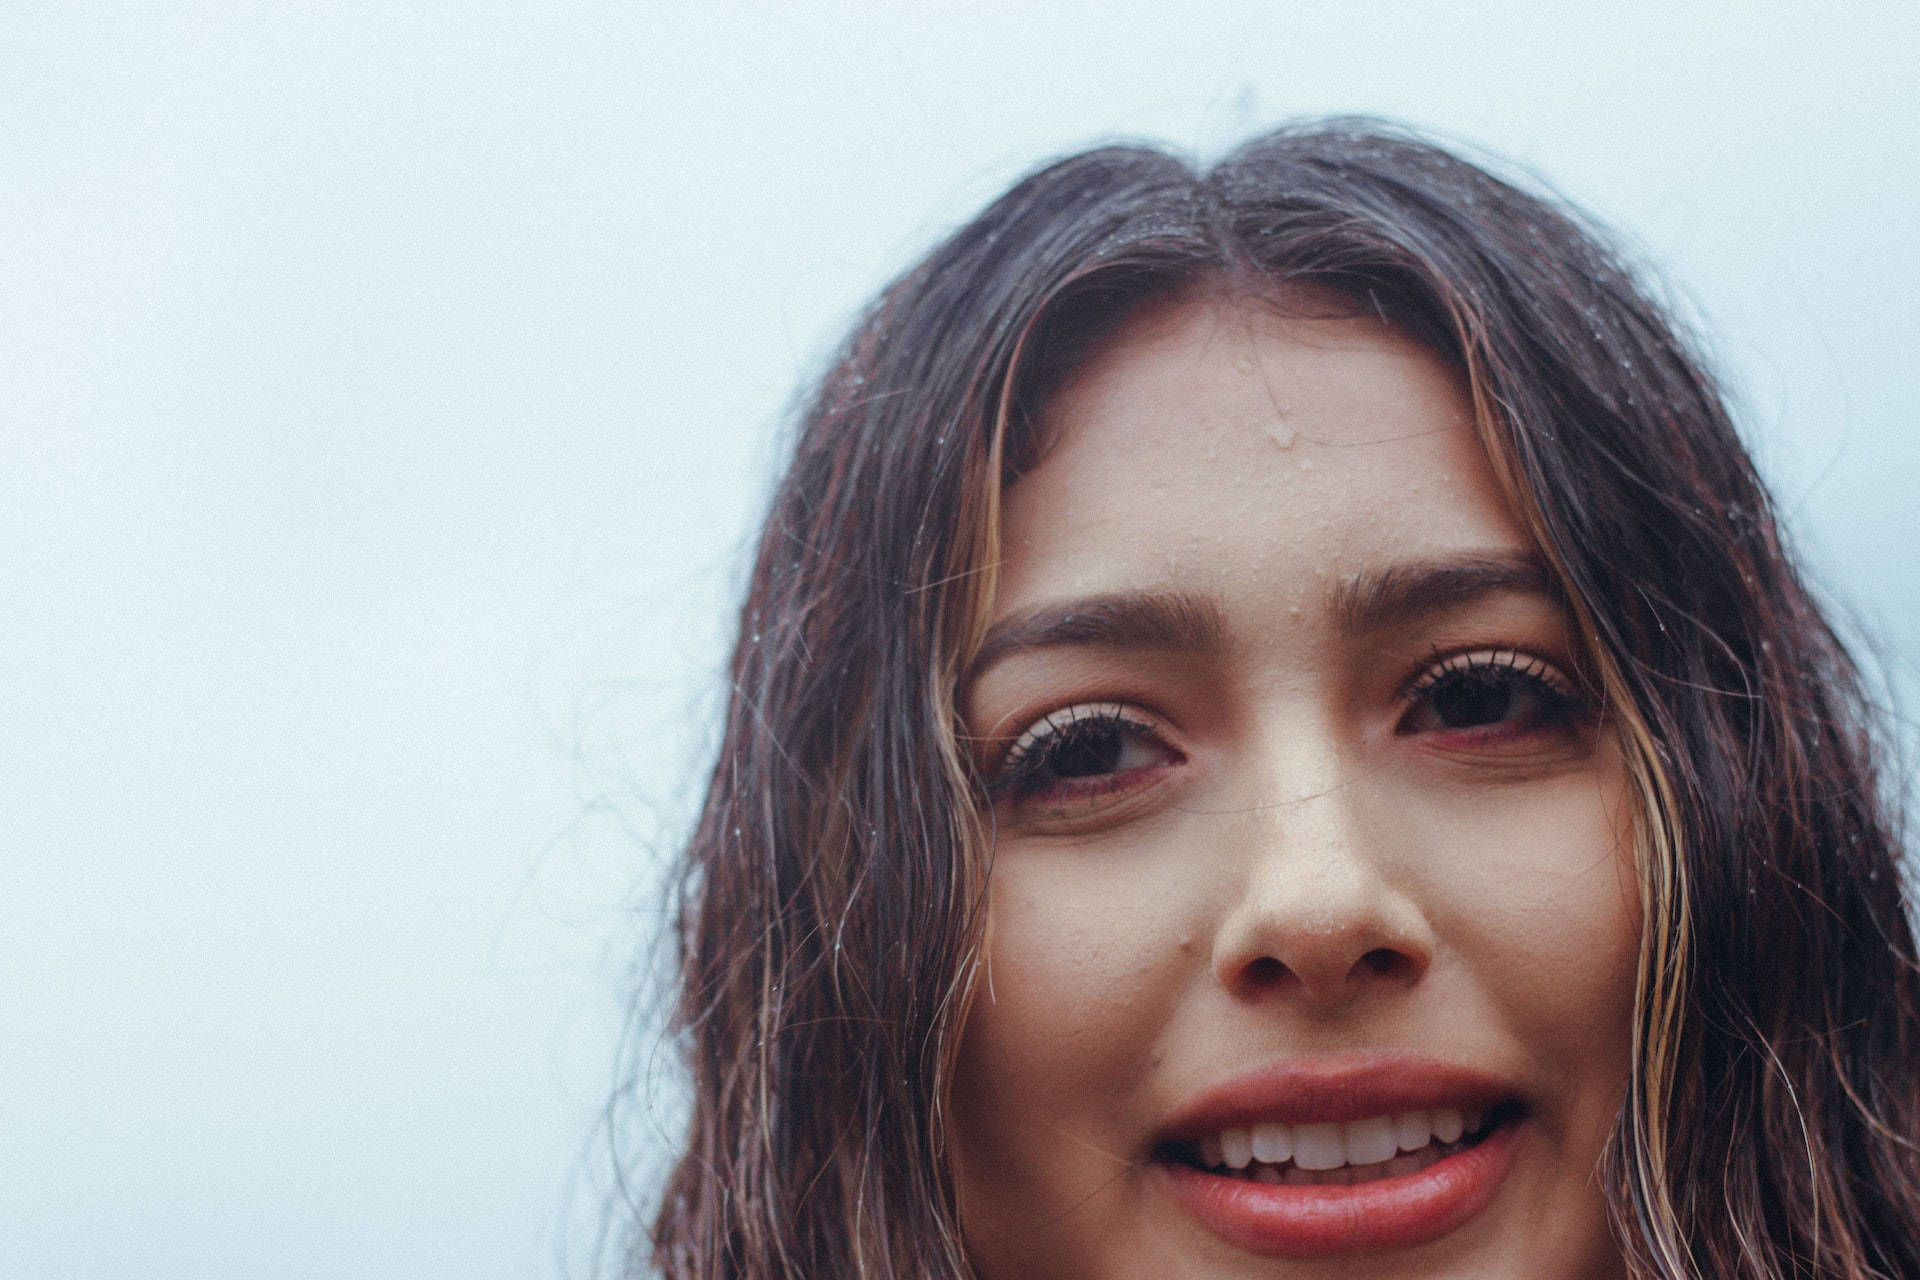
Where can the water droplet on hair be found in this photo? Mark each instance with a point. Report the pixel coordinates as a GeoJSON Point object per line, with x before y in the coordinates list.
{"type": "Point", "coordinates": [1282, 434]}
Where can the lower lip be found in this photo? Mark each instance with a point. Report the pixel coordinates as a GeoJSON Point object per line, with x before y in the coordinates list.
{"type": "Point", "coordinates": [1313, 1221]}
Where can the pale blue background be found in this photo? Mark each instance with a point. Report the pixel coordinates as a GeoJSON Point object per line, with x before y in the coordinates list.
{"type": "Point", "coordinates": [387, 389]}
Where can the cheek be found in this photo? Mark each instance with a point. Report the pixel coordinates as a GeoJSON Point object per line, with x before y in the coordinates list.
{"type": "Point", "coordinates": [1537, 892]}
{"type": "Point", "coordinates": [1084, 967]}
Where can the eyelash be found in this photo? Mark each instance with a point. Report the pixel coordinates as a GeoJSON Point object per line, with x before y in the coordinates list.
{"type": "Point", "coordinates": [1041, 749]}
{"type": "Point", "coordinates": [1561, 706]}
{"type": "Point", "coordinates": [1030, 770]}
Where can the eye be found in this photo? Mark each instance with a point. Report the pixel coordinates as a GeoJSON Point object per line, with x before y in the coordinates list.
{"type": "Point", "coordinates": [1492, 696]}
{"type": "Point", "coordinates": [1085, 752]}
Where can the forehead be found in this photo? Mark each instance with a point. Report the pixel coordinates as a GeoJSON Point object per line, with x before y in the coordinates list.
{"type": "Point", "coordinates": [1218, 446]}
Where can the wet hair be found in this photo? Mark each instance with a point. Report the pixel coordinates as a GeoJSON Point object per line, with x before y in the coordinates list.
{"type": "Point", "coordinates": [830, 906]}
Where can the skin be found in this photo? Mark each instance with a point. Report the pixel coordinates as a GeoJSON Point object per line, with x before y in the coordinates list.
{"type": "Point", "coordinates": [1295, 860]}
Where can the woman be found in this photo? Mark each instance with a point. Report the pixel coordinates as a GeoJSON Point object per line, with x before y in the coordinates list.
{"type": "Point", "coordinates": [1273, 734]}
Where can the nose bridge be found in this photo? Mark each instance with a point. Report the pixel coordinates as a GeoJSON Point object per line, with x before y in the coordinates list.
{"type": "Point", "coordinates": [1317, 908]}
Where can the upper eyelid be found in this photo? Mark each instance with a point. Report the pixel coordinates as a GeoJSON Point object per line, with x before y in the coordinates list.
{"type": "Point", "coordinates": [1049, 725]}
{"type": "Point", "coordinates": [1008, 764]}
{"type": "Point", "coordinates": [1035, 732]}
{"type": "Point", "coordinates": [1472, 657]}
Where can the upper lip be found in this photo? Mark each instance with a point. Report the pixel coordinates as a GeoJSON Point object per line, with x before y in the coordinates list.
{"type": "Point", "coordinates": [1330, 1091]}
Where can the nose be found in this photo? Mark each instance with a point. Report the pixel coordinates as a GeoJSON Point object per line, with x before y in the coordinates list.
{"type": "Point", "coordinates": [1316, 913]}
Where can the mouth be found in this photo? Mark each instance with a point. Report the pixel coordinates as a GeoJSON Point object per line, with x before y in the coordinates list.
{"type": "Point", "coordinates": [1351, 1153]}
{"type": "Point", "coordinates": [1311, 1160]}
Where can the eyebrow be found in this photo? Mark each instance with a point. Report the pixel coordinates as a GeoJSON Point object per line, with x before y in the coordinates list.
{"type": "Point", "coordinates": [1167, 620]}
{"type": "Point", "coordinates": [1185, 623]}
{"type": "Point", "coordinates": [1399, 593]}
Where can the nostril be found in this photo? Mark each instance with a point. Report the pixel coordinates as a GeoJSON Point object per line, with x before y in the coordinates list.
{"type": "Point", "coordinates": [1385, 962]}
{"type": "Point", "coordinates": [1265, 971]}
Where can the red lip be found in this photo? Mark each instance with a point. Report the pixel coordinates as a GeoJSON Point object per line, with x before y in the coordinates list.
{"type": "Point", "coordinates": [1329, 1091]}
{"type": "Point", "coordinates": [1309, 1221]}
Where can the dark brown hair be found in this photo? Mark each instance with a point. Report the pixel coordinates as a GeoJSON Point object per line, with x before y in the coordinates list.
{"type": "Point", "coordinates": [830, 906]}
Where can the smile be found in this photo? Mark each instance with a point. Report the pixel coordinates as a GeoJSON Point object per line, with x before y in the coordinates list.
{"type": "Point", "coordinates": [1365, 1150]}
{"type": "Point", "coordinates": [1308, 1161]}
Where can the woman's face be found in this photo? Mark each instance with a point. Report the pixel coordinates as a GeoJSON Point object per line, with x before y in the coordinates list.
{"type": "Point", "coordinates": [1313, 921]}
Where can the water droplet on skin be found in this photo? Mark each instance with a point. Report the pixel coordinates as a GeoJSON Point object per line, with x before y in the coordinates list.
{"type": "Point", "coordinates": [1282, 434]}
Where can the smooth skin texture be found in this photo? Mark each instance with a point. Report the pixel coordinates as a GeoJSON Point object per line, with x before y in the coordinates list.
{"type": "Point", "coordinates": [1290, 829]}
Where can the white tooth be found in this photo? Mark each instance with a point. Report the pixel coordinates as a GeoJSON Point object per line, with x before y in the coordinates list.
{"type": "Point", "coordinates": [1472, 1121]}
{"type": "Point", "coordinates": [1237, 1147]}
{"type": "Point", "coordinates": [1210, 1153]}
{"type": "Point", "coordinates": [1448, 1125]}
{"type": "Point", "coordinates": [1370, 1141]}
{"type": "Point", "coordinates": [1318, 1146]}
{"type": "Point", "coordinates": [1412, 1130]}
{"type": "Point", "coordinates": [1273, 1143]}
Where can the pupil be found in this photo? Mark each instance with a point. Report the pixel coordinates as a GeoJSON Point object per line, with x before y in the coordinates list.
{"type": "Point", "coordinates": [1465, 703]}
{"type": "Point", "coordinates": [1088, 755]}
